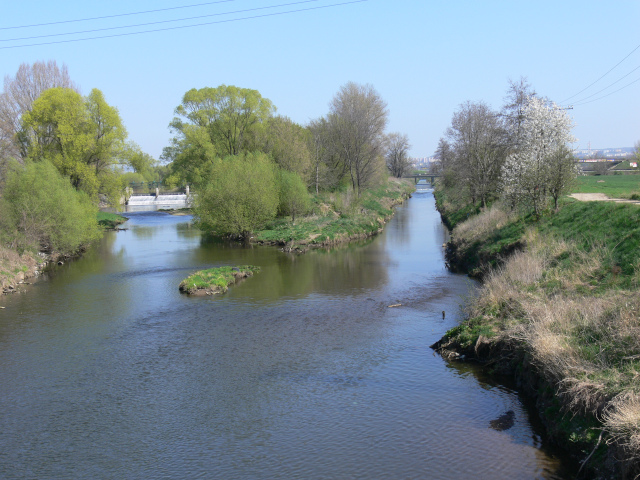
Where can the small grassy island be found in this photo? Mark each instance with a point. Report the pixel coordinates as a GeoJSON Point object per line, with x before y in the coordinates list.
{"type": "Point", "coordinates": [215, 280]}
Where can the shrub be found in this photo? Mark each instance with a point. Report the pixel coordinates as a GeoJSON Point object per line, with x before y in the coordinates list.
{"type": "Point", "coordinates": [240, 195]}
{"type": "Point", "coordinates": [40, 209]}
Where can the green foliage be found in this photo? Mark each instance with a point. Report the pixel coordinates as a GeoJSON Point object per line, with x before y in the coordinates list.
{"type": "Point", "coordinates": [240, 195]}
{"type": "Point", "coordinates": [294, 198]}
{"type": "Point", "coordinates": [288, 145]}
{"type": "Point", "coordinates": [216, 280]}
{"type": "Point", "coordinates": [81, 137]}
{"type": "Point", "coordinates": [143, 164]}
{"type": "Point", "coordinates": [40, 209]}
{"type": "Point", "coordinates": [110, 220]}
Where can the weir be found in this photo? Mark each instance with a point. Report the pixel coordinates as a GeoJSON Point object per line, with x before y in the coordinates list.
{"type": "Point", "coordinates": [166, 201]}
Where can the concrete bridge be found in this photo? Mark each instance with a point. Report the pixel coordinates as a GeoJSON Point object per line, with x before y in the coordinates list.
{"type": "Point", "coordinates": [429, 177]}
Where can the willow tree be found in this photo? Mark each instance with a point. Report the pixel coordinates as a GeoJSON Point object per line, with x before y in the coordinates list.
{"type": "Point", "coordinates": [81, 136]}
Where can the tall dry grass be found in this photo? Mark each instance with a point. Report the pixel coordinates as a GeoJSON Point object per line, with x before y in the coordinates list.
{"type": "Point", "coordinates": [583, 340]}
{"type": "Point", "coordinates": [481, 225]}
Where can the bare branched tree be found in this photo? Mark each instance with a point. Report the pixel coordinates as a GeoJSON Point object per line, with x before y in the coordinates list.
{"type": "Point", "coordinates": [477, 137]}
{"type": "Point", "coordinates": [397, 155]}
{"type": "Point", "coordinates": [357, 120]}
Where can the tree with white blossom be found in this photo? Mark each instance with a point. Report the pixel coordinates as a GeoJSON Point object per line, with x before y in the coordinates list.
{"type": "Point", "coordinates": [541, 167]}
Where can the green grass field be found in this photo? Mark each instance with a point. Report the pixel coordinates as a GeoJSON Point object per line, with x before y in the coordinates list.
{"type": "Point", "coordinates": [614, 186]}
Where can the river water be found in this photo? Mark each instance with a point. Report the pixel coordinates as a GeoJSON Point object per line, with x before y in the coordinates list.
{"type": "Point", "coordinates": [304, 371]}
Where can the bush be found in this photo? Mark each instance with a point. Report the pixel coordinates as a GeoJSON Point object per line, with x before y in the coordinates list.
{"type": "Point", "coordinates": [294, 198]}
{"type": "Point", "coordinates": [41, 210]}
{"type": "Point", "coordinates": [240, 195]}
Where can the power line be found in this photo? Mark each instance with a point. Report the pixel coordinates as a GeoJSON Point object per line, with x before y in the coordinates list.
{"type": "Point", "coordinates": [114, 16]}
{"type": "Point", "coordinates": [600, 78]}
{"type": "Point", "coordinates": [608, 86]}
{"type": "Point", "coordinates": [185, 26]}
{"type": "Point", "coordinates": [159, 21]}
{"type": "Point", "coordinates": [611, 93]}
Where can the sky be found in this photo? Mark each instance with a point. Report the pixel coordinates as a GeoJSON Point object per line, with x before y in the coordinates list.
{"type": "Point", "coordinates": [424, 58]}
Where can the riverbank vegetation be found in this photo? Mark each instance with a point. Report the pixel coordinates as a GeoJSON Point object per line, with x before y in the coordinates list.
{"type": "Point", "coordinates": [260, 177]}
{"type": "Point", "coordinates": [559, 306]}
{"type": "Point", "coordinates": [215, 280]}
{"type": "Point", "coordinates": [256, 175]}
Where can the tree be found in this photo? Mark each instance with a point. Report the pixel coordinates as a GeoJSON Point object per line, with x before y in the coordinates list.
{"type": "Point", "coordinates": [397, 156]}
{"type": "Point", "coordinates": [18, 96]}
{"type": "Point", "coordinates": [328, 170]}
{"type": "Point", "coordinates": [478, 140]}
{"type": "Point", "coordinates": [293, 195]}
{"type": "Point", "coordinates": [288, 145]}
{"type": "Point", "coordinates": [191, 155]}
{"type": "Point", "coordinates": [141, 162]}
{"type": "Point", "coordinates": [562, 173]}
{"type": "Point", "coordinates": [357, 120]}
{"type": "Point", "coordinates": [518, 94]}
{"type": "Point", "coordinates": [82, 137]}
{"type": "Point", "coordinates": [229, 115]}
{"type": "Point", "coordinates": [240, 195]}
{"type": "Point", "coordinates": [40, 209]}
{"type": "Point", "coordinates": [527, 175]}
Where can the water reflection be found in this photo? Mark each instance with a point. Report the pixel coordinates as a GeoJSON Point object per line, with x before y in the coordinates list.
{"type": "Point", "coordinates": [303, 371]}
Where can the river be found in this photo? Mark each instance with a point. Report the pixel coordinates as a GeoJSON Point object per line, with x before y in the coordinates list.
{"type": "Point", "coordinates": [305, 371]}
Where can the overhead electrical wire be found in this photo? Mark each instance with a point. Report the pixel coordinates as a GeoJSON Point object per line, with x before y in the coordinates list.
{"type": "Point", "coordinates": [115, 16]}
{"type": "Point", "coordinates": [158, 22]}
{"type": "Point", "coordinates": [610, 93]}
{"type": "Point", "coordinates": [601, 77]}
{"type": "Point", "coordinates": [577, 102]}
{"type": "Point", "coordinates": [189, 26]}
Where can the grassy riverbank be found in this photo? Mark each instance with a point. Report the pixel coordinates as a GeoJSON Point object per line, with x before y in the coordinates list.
{"type": "Point", "coordinates": [215, 280]}
{"type": "Point", "coordinates": [560, 309]}
{"type": "Point", "coordinates": [338, 217]}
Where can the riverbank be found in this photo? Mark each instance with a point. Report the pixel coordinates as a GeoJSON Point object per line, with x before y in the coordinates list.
{"type": "Point", "coordinates": [559, 310]}
{"type": "Point", "coordinates": [18, 268]}
{"type": "Point", "coordinates": [338, 218]}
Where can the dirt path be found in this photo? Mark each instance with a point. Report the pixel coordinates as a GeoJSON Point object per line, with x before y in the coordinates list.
{"type": "Point", "coordinates": [594, 197]}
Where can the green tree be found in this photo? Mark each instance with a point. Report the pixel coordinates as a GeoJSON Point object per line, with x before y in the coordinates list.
{"type": "Point", "coordinates": [40, 209]}
{"type": "Point", "coordinates": [191, 155]}
{"type": "Point", "coordinates": [142, 163]}
{"type": "Point", "coordinates": [239, 196]}
{"type": "Point", "coordinates": [230, 115]}
{"type": "Point", "coordinates": [19, 94]}
{"type": "Point", "coordinates": [293, 194]}
{"type": "Point", "coordinates": [288, 145]}
{"type": "Point", "coordinates": [82, 137]}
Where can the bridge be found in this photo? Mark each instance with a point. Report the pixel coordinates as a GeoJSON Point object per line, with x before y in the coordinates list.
{"type": "Point", "coordinates": [430, 177]}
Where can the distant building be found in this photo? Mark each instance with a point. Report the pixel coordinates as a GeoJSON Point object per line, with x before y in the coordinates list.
{"type": "Point", "coordinates": [603, 153]}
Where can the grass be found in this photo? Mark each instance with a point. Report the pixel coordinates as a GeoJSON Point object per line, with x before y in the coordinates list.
{"type": "Point", "coordinates": [614, 186]}
{"type": "Point", "coordinates": [110, 220]}
{"type": "Point", "coordinates": [216, 280]}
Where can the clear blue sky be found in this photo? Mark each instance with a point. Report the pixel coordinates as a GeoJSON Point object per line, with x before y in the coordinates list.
{"type": "Point", "coordinates": [425, 58]}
